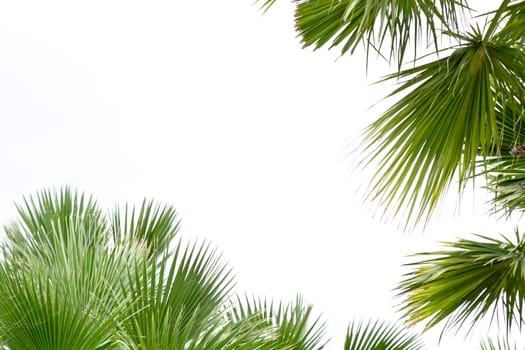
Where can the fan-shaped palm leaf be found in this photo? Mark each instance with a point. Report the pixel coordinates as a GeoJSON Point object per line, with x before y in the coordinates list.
{"type": "Point", "coordinates": [514, 15]}
{"type": "Point", "coordinates": [506, 178]}
{"type": "Point", "coordinates": [293, 323]}
{"type": "Point", "coordinates": [182, 296]}
{"type": "Point", "coordinates": [154, 224]}
{"type": "Point", "coordinates": [468, 281]}
{"type": "Point", "coordinates": [246, 334]}
{"type": "Point", "coordinates": [349, 22]}
{"type": "Point", "coordinates": [69, 300]}
{"type": "Point", "coordinates": [505, 173]}
{"type": "Point", "coordinates": [380, 336]}
{"type": "Point", "coordinates": [443, 122]}
{"type": "Point", "coordinates": [49, 219]}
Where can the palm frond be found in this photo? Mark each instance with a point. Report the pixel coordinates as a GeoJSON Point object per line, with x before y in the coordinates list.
{"type": "Point", "coordinates": [70, 300]}
{"type": "Point", "coordinates": [506, 179]}
{"type": "Point", "coordinates": [514, 18]}
{"type": "Point", "coordinates": [179, 298]}
{"type": "Point", "coordinates": [376, 335]}
{"type": "Point", "coordinates": [154, 224]}
{"type": "Point", "coordinates": [468, 281]}
{"type": "Point", "coordinates": [444, 121]}
{"type": "Point", "coordinates": [505, 170]}
{"type": "Point", "coordinates": [246, 334]}
{"type": "Point", "coordinates": [50, 218]}
{"type": "Point", "coordinates": [372, 22]}
{"type": "Point", "coordinates": [293, 323]}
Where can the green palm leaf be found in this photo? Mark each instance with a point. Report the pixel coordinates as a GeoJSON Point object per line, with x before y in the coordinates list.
{"type": "Point", "coordinates": [66, 271]}
{"type": "Point", "coordinates": [380, 336]}
{"type": "Point", "coordinates": [153, 224]}
{"type": "Point", "coordinates": [246, 334]}
{"type": "Point", "coordinates": [49, 219]}
{"type": "Point", "coordinates": [177, 300]}
{"type": "Point", "coordinates": [505, 173]}
{"type": "Point", "coordinates": [69, 300]}
{"type": "Point", "coordinates": [349, 22]}
{"type": "Point", "coordinates": [466, 282]}
{"type": "Point", "coordinates": [506, 179]}
{"type": "Point", "coordinates": [514, 16]}
{"type": "Point", "coordinates": [293, 323]}
{"type": "Point", "coordinates": [445, 119]}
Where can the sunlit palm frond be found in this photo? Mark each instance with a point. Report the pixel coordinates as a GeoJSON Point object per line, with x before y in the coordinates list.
{"type": "Point", "coordinates": [466, 282]}
{"type": "Point", "coordinates": [443, 122]}
{"type": "Point", "coordinates": [153, 224]}
{"type": "Point", "coordinates": [376, 335]}
{"type": "Point", "coordinates": [374, 23]}
{"type": "Point", "coordinates": [293, 323]}
{"type": "Point", "coordinates": [246, 334]}
{"type": "Point", "coordinates": [51, 217]}
{"type": "Point", "coordinates": [498, 344]}
{"type": "Point", "coordinates": [71, 300]}
{"type": "Point", "coordinates": [179, 299]}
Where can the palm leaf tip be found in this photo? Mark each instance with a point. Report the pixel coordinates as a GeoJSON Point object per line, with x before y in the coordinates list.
{"type": "Point", "coordinates": [466, 282]}
{"type": "Point", "coordinates": [374, 335]}
{"type": "Point", "coordinates": [497, 344]}
{"type": "Point", "coordinates": [153, 224]}
{"type": "Point", "coordinates": [293, 323]}
{"type": "Point", "coordinates": [265, 4]}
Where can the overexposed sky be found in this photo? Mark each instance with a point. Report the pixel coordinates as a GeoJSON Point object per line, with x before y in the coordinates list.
{"type": "Point", "coordinates": [216, 109]}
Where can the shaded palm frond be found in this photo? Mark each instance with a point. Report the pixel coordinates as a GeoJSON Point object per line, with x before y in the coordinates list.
{"type": "Point", "coordinates": [504, 169]}
{"type": "Point", "coordinates": [350, 22]}
{"type": "Point", "coordinates": [177, 300]}
{"type": "Point", "coordinates": [293, 323]}
{"type": "Point", "coordinates": [511, 123]}
{"type": "Point", "coordinates": [498, 344]}
{"type": "Point", "coordinates": [376, 335]}
{"type": "Point", "coordinates": [445, 119]}
{"type": "Point", "coordinates": [466, 282]}
{"type": "Point", "coordinates": [153, 224]}
{"type": "Point", "coordinates": [514, 18]}
{"type": "Point", "coordinates": [506, 179]}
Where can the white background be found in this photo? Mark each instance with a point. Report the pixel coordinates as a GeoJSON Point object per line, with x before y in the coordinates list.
{"type": "Point", "coordinates": [216, 109]}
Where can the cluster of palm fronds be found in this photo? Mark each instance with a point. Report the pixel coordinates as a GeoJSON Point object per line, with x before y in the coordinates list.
{"type": "Point", "coordinates": [465, 106]}
{"type": "Point", "coordinates": [72, 277]}
{"type": "Point", "coordinates": [459, 116]}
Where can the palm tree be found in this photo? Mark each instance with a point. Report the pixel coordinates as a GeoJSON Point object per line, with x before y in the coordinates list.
{"type": "Point", "coordinates": [456, 116]}
{"type": "Point", "coordinates": [73, 277]}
